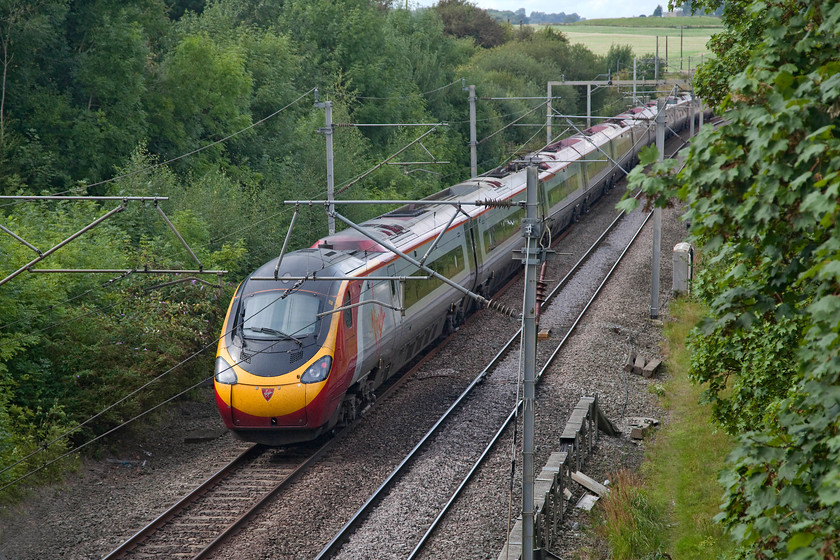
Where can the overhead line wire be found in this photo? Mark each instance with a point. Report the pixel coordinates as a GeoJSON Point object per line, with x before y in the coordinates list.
{"type": "Point", "coordinates": [543, 104]}
{"type": "Point", "coordinates": [54, 305]}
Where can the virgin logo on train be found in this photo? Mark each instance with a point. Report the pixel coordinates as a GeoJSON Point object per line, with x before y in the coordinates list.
{"type": "Point", "coordinates": [267, 393]}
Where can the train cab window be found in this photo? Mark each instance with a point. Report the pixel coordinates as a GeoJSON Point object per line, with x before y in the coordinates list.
{"type": "Point", "coordinates": [268, 315]}
{"type": "Point", "coordinates": [348, 312]}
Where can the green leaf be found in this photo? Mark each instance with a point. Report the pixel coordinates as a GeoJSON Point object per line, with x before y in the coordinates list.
{"type": "Point", "coordinates": [648, 155]}
{"type": "Point", "coordinates": [799, 540]}
{"type": "Point", "coordinates": [805, 553]}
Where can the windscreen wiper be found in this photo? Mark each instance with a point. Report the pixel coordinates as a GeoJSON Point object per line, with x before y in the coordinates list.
{"type": "Point", "coordinates": [275, 332]}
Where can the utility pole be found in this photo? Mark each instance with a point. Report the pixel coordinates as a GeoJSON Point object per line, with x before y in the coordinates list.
{"type": "Point", "coordinates": [531, 231]}
{"type": "Point", "coordinates": [634, 81]}
{"type": "Point", "coordinates": [656, 61]}
{"type": "Point", "coordinates": [548, 115]}
{"type": "Point", "coordinates": [327, 131]}
{"type": "Point", "coordinates": [657, 216]}
{"type": "Point", "coordinates": [681, 48]}
{"type": "Point", "coordinates": [473, 143]}
{"type": "Point", "coordinates": [588, 105]}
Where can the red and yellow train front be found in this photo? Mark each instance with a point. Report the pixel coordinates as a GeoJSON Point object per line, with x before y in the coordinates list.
{"type": "Point", "coordinates": [281, 366]}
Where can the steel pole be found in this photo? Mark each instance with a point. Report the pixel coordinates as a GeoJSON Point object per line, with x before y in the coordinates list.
{"type": "Point", "coordinates": [548, 115]}
{"type": "Point", "coordinates": [529, 346]}
{"type": "Point", "coordinates": [700, 106]}
{"type": "Point", "coordinates": [473, 143]}
{"type": "Point", "coordinates": [656, 61]}
{"type": "Point", "coordinates": [635, 100]}
{"type": "Point", "coordinates": [330, 174]}
{"type": "Point", "coordinates": [691, 115]}
{"type": "Point", "coordinates": [657, 217]}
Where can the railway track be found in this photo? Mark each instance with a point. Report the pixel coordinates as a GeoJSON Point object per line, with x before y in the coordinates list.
{"type": "Point", "coordinates": [466, 433]}
{"type": "Point", "coordinates": [413, 502]}
{"type": "Point", "coordinates": [194, 527]}
{"type": "Point", "coordinates": [219, 505]}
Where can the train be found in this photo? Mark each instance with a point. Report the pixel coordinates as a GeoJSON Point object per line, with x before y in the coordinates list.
{"type": "Point", "coordinates": [310, 335]}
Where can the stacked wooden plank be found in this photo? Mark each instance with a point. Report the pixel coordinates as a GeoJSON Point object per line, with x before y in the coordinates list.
{"type": "Point", "coordinates": [550, 491]}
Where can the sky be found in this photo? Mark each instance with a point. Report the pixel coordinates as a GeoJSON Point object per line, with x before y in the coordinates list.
{"type": "Point", "coordinates": [589, 9]}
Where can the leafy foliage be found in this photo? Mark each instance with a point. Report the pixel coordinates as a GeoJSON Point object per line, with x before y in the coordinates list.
{"type": "Point", "coordinates": [463, 19]}
{"type": "Point", "coordinates": [763, 196]}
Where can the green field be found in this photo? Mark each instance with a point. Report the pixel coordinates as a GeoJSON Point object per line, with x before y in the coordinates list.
{"type": "Point", "coordinates": [662, 22]}
{"type": "Point", "coordinates": [688, 43]}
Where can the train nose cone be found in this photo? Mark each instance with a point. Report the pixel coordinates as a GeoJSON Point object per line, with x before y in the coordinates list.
{"type": "Point", "coordinates": [274, 405]}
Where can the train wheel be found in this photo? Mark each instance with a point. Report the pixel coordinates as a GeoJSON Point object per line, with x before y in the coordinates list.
{"type": "Point", "coordinates": [349, 410]}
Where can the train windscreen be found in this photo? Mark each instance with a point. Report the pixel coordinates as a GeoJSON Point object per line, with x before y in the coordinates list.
{"type": "Point", "coordinates": [268, 315]}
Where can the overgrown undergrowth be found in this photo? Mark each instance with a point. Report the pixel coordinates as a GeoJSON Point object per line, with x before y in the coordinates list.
{"type": "Point", "coordinates": [668, 509]}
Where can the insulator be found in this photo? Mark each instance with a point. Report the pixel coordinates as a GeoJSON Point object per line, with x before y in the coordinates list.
{"type": "Point", "coordinates": [504, 310]}
{"type": "Point", "coordinates": [541, 289]}
{"type": "Point", "coordinates": [494, 203]}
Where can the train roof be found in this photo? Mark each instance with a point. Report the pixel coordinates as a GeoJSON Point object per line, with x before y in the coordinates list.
{"type": "Point", "coordinates": [326, 261]}
{"type": "Point", "coordinates": [413, 224]}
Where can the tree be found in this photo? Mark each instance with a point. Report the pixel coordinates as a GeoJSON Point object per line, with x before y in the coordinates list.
{"type": "Point", "coordinates": [28, 30]}
{"type": "Point", "coordinates": [732, 48]}
{"type": "Point", "coordinates": [657, 12]}
{"type": "Point", "coordinates": [205, 90]}
{"type": "Point", "coordinates": [619, 57]}
{"type": "Point", "coordinates": [23, 24]}
{"type": "Point", "coordinates": [763, 194]}
{"type": "Point", "coordinates": [464, 19]}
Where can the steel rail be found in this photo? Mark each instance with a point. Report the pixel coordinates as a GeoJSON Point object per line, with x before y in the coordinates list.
{"type": "Point", "coordinates": [248, 515]}
{"type": "Point", "coordinates": [513, 413]}
{"type": "Point", "coordinates": [206, 486]}
{"type": "Point", "coordinates": [335, 544]}
{"type": "Point", "coordinates": [267, 497]}
{"type": "Point", "coordinates": [201, 489]}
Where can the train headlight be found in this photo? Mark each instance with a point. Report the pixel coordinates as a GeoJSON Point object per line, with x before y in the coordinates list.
{"type": "Point", "coordinates": [318, 371]}
{"type": "Point", "coordinates": [224, 372]}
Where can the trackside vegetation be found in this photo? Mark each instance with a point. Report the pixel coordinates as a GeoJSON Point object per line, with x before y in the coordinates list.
{"type": "Point", "coordinates": [763, 195]}
{"type": "Point", "coordinates": [211, 103]}
{"type": "Point", "coordinates": [669, 508]}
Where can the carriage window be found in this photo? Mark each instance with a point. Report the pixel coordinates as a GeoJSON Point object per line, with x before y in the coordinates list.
{"type": "Point", "coordinates": [504, 229]}
{"type": "Point", "coordinates": [448, 265]}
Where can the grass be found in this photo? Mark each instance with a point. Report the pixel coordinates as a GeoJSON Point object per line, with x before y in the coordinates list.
{"type": "Point", "coordinates": [642, 33]}
{"type": "Point", "coordinates": [632, 524]}
{"type": "Point", "coordinates": [670, 509]}
{"type": "Point", "coordinates": [662, 22]}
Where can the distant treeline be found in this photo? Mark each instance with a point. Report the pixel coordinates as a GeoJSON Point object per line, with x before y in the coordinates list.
{"type": "Point", "coordinates": [519, 16]}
